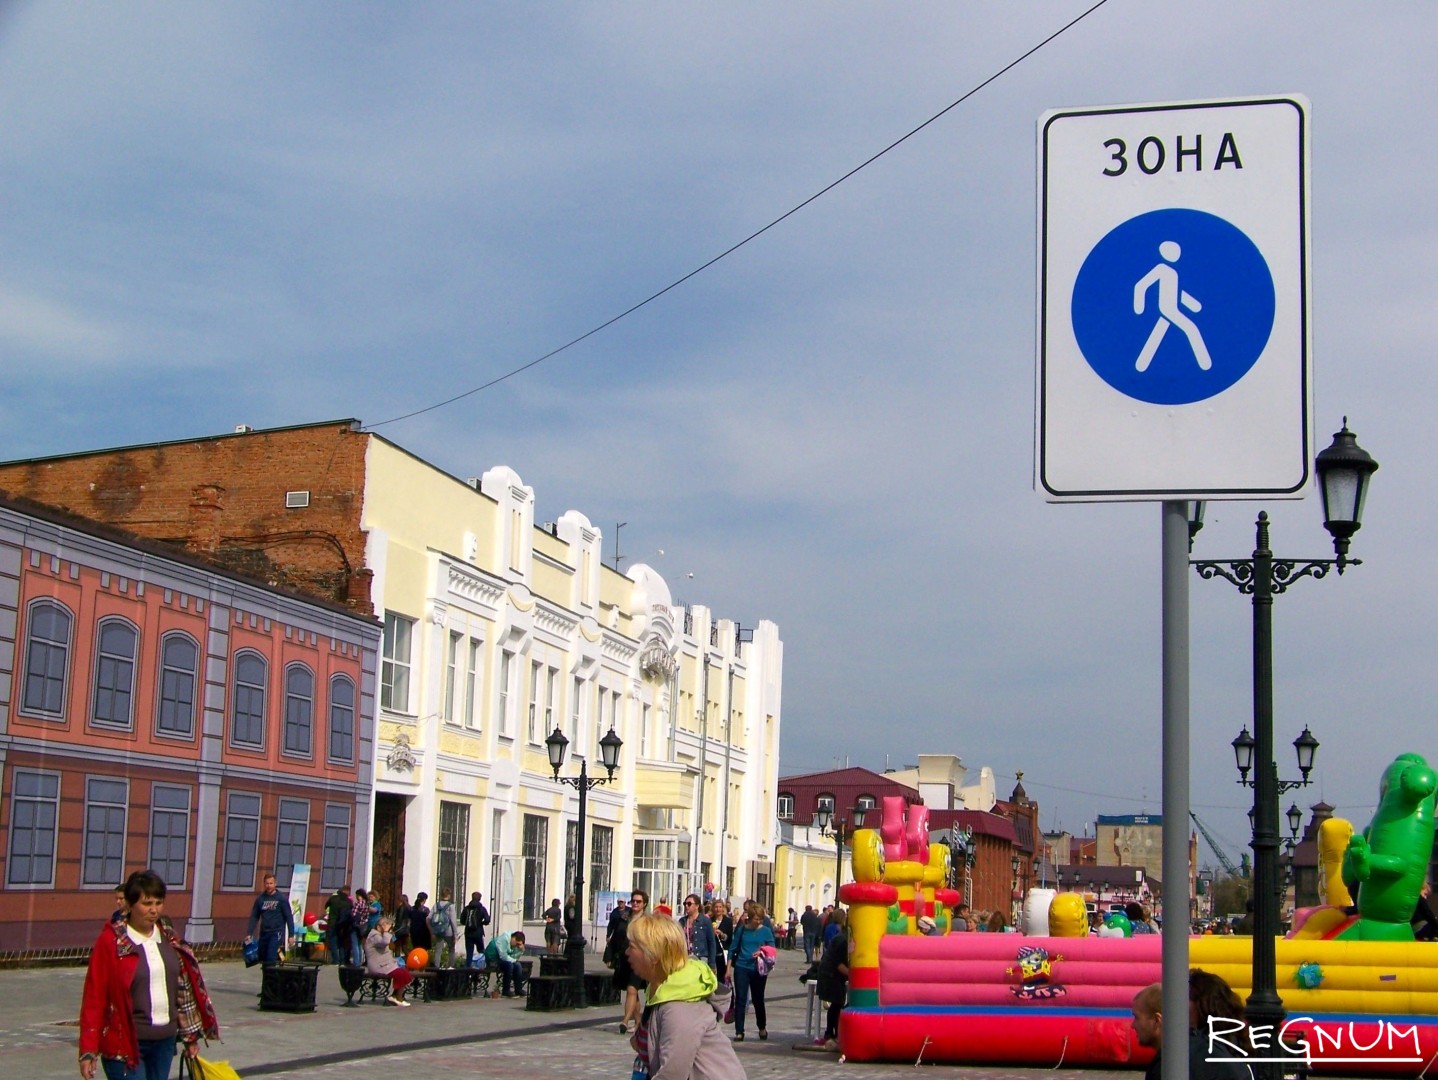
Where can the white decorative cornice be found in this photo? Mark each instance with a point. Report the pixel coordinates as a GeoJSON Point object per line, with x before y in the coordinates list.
{"type": "Point", "coordinates": [619, 648]}
{"type": "Point", "coordinates": [465, 582]}
{"type": "Point", "coordinates": [559, 623]}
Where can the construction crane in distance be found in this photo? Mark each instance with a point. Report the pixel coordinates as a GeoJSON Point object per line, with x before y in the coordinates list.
{"type": "Point", "coordinates": [1222, 855]}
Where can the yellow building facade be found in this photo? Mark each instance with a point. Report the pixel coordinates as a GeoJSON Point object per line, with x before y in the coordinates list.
{"type": "Point", "coordinates": [499, 630]}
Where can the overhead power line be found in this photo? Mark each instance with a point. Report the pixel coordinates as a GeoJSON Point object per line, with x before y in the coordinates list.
{"type": "Point", "coordinates": [754, 235]}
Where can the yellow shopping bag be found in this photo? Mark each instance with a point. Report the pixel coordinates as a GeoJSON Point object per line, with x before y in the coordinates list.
{"type": "Point", "coordinates": [200, 1069]}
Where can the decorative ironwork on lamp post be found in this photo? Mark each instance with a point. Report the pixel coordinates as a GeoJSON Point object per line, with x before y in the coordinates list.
{"type": "Point", "coordinates": [961, 861]}
{"type": "Point", "coordinates": [824, 817]}
{"type": "Point", "coordinates": [609, 748]}
{"type": "Point", "coordinates": [1343, 469]}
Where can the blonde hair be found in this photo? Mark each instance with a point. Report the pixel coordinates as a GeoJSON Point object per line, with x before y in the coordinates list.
{"type": "Point", "coordinates": [661, 941]}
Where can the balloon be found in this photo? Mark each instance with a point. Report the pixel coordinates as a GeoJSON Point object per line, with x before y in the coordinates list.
{"type": "Point", "coordinates": [311, 918]}
{"type": "Point", "coordinates": [417, 958]}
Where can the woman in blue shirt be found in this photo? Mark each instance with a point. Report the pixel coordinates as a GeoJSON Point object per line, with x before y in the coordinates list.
{"type": "Point", "coordinates": [749, 937]}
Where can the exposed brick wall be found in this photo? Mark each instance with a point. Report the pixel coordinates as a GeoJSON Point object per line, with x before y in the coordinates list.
{"type": "Point", "coordinates": [224, 498]}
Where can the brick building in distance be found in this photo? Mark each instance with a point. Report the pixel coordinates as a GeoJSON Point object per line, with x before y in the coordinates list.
{"type": "Point", "coordinates": [157, 711]}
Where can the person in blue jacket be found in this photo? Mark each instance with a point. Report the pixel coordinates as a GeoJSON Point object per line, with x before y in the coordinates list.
{"type": "Point", "coordinates": [271, 914]}
{"type": "Point", "coordinates": [699, 933]}
{"type": "Point", "coordinates": [749, 937]}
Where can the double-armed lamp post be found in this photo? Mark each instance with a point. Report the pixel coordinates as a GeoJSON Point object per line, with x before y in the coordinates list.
{"type": "Point", "coordinates": [823, 817]}
{"type": "Point", "coordinates": [1343, 469]}
{"type": "Point", "coordinates": [609, 748]}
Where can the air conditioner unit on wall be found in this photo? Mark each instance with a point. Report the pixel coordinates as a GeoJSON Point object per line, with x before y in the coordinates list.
{"type": "Point", "coordinates": [296, 500]}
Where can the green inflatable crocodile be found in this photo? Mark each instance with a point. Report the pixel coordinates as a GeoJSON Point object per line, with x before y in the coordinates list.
{"type": "Point", "coordinates": [1389, 860]}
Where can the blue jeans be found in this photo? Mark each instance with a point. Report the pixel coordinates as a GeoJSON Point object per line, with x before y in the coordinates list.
{"type": "Point", "coordinates": [511, 976]}
{"type": "Point", "coordinates": [473, 945]}
{"type": "Point", "coordinates": [269, 946]}
{"type": "Point", "coordinates": [810, 941]}
{"type": "Point", "coordinates": [747, 983]}
{"type": "Point", "coordinates": [156, 1056]}
{"type": "Point", "coordinates": [356, 948]}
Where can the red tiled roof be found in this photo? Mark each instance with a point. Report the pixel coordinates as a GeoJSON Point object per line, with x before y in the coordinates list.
{"type": "Point", "coordinates": [845, 785]}
{"type": "Point", "coordinates": [983, 823]}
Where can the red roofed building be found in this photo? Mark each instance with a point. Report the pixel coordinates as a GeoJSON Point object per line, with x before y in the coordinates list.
{"type": "Point", "coordinates": [809, 863]}
{"type": "Point", "coordinates": [839, 789]}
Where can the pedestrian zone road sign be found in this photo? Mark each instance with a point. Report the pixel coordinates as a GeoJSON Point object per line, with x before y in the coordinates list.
{"type": "Point", "coordinates": [1173, 313]}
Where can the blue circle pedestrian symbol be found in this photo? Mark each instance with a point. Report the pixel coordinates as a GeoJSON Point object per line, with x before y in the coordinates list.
{"type": "Point", "coordinates": [1173, 306]}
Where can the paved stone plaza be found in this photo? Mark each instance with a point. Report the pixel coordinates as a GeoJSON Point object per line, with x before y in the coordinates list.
{"type": "Point", "coordinates": [475, 1038]}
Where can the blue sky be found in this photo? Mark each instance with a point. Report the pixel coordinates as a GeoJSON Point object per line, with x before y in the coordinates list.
{"type": "Point", "coordinates": [277, 213]}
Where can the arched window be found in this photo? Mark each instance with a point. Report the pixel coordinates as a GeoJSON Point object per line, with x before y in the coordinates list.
{"type": "Point", "coordinates": [114, 698]}
{"type": "Point", "coordinates": [179, 671]}
{"type": "Point", "coordinates": [299, 709]}
{"type": "Point", "coordinates": [785, 806]}
{"type": "Point", "coordinates": [342, 720]}
{"type": "Point", "coordinates": [47, 659]}
{"type": "Point", "coordinates": [247, 719]}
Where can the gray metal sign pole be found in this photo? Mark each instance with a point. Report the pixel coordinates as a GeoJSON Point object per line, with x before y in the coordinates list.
{"type": "Point", "coordinates": [1175, 790]}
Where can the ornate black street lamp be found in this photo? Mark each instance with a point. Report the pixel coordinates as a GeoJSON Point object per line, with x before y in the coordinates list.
{"type": "Point", "coordinates": [824, 817]}
{"type": "Point", "coordinates": [1343, 469]}
{"type": "Point", "coordinates": [609, 748]}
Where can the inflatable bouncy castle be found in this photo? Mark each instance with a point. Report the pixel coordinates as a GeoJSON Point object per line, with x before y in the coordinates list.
{"type": "Point", "coordinates": [1357, 987]}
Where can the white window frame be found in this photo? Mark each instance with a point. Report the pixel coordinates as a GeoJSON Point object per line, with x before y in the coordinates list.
{"type": "Point", "coordinates": [167, 860]}
{"type": "Point", "coordinates": [113, 822]}
{"type": "Point", "coordinates": [506, 694]}
{"type": "Point", "coordinates": [451, 666]}
{"type": "Point", "coordinates": [291, 812]}
{"type": "Point", "coordinates": [340, 707]}
{"type": "Point", "coordinates": [232, 818]}
{"type": "Point", "coordinates": [472, 685]}
{"type": "Point", "coordinates": [264, 696]}
{"type": "Point", "coordinates": [38, 802]}
{"type": "Point", "coordinates": [397, 663]}
{"type": "Point", "coordinates": [48, 646]}
{"type": "Point", "coordinates": [550, 684]}
{"type": "Point", "coordinates": [535, 685]}
{"type": "Point", "coordinates": [162, 694]}
{"type": "Point", "coordinates": [294, 699]}
{"type": "Point", "coordinates": [112, 661]}
{"type": "Point", "coordinates": [336, 841]}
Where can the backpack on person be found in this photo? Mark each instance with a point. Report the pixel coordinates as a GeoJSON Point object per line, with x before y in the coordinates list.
{"type": "Point", "coordinates": [439, 920]}
{"type": "Point", "coordinates": [473, 921]}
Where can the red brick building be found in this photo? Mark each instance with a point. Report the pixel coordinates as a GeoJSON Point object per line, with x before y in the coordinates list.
{"type": "Point", "coordinates": [282, 505]}
{"type": "Point", "coordinates": [158, 711]}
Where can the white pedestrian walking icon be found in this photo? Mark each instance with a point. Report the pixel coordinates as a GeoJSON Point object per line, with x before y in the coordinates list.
{"type": "Point", "coordinates": [1170, 297]}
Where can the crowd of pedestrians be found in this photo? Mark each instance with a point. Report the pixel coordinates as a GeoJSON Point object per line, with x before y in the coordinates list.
{"type": "Point", "coordinates": [684, 978]}
{"type": "Point", "coordinates": [721, 958]}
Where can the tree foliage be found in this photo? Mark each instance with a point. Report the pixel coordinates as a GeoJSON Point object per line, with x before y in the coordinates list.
{"type": "Point", "coordinates": [1230, 892]}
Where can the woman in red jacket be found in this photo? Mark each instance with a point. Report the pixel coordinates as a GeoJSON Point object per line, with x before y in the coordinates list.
{"type": "Point", "coordinates": [143, 991]}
